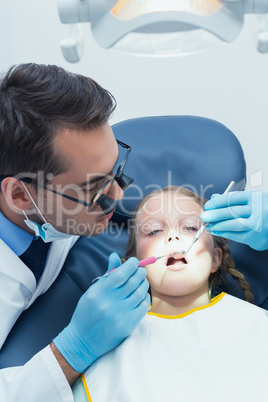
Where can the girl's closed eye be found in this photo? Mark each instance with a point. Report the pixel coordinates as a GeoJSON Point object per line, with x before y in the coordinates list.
{"type": "Point", "coordinates": [155, 232]}
{"type": "Point", "coordinates": [190, 228]}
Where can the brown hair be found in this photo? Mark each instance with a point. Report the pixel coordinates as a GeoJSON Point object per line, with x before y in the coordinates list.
{"type": "Point", "coordinates": [227, 265]}
{"type": "Point", "coordinates": [36, 102]}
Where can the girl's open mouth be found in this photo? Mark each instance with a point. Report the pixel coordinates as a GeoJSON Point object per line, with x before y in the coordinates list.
{"type": "Point", "coordinates": [176, 264]}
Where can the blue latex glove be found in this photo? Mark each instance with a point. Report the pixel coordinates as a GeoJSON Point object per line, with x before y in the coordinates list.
{"type": "Point", "coordinates": [106, 314]}
{"type": "Point", "coordinates": [241, 216]}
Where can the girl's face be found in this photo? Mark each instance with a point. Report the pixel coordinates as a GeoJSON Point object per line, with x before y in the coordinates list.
{"type": "Point", "coordinates": [168, 223]}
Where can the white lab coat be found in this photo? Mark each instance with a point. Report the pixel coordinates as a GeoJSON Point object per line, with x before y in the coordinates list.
{"type": "Point", "coordinates": [41, 379]}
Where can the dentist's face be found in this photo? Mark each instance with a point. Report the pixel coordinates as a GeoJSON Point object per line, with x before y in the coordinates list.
{"type": "Point", "coordinates": [91, 157]}
{"type": "Point", "coordinates": [167, 223]}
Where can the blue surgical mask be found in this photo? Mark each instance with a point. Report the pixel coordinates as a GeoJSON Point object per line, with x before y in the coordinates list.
{"type": "Point", "coordinates": [46, 231]}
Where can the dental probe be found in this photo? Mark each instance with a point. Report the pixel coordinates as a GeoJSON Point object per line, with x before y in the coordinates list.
{"type": "Point", "coordinates": [203, 226]}
{"type": "Point", "coordinates": [142, 263]}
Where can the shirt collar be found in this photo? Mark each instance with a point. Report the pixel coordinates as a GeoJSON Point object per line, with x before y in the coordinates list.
{"type": "Point", "coordinates": [16, 238]}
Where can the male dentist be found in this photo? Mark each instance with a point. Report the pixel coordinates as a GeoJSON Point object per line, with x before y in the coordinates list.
{"type": "Point", "coordinates": [57, 155]}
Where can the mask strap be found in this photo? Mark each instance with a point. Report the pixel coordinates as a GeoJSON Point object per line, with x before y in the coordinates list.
{"type": "Point", "coordinates": [25, 214]}
{"type": "Point", "coordinates": [38, 210]}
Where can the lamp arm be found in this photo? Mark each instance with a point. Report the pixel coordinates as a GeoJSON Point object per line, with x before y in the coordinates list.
{"type": "Point", "coordinates": [256, 6]}
{"type": "Point", "coordinates": [251, 6]}
{"type": "Point", "coordinates": [73, 47]}
{"type": "Point", "coordinates": [74, 11]}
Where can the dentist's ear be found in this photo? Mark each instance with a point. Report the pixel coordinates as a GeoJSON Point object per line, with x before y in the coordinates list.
{"type": "Point", "coordinates": [15, 194]}
{"type": "Point", "coordinates": [217, 259]}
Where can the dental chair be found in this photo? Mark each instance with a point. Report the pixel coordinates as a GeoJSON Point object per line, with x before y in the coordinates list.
{"type": "Point", "coordinates": [194, 152]}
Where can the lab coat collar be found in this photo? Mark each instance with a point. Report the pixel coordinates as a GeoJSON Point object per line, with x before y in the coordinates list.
{"type": "Point", "coordinates": [17, 283]}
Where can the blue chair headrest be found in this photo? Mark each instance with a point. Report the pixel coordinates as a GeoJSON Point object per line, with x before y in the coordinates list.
{"type": "Point", "coordinates": [194, 152]}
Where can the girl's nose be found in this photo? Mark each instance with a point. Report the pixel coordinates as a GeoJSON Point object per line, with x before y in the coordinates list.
{"type": "Point", "coordinates": [171, 236]}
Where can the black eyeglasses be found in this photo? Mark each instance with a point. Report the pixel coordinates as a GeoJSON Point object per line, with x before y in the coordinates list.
{"type": "Point", "coordinates": [101, 198]}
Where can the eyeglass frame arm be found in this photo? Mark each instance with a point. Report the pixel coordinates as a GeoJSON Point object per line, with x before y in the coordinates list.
{"type": "Point", "coordinates": [84, 203]}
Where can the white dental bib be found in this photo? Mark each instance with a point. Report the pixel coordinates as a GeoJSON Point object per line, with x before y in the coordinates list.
{"type": "Point", "coordinates": [216, 353]}
{"type": "Point", "coordinates": [18, 288]}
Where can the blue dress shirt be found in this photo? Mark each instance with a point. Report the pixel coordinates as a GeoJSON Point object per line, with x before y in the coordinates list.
{"type": "Point", "coordinates": [17, 239]}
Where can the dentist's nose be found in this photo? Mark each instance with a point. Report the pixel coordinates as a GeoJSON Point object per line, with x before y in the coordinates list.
{"type": "Point", "coordinates": [116, 192]}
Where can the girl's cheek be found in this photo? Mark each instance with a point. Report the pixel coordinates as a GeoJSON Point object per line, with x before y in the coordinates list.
{"type": "Point", "coordinates": [145, 248]}
{"type": "Point", "coordinates": [208, 242]}
{"type": "Point", "coordinates": [141, 249]}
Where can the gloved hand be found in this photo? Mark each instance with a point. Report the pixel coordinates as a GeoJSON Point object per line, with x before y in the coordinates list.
{"type": "Point", "coordinates": [241, 216]}
{"type": "Point", "coordinates": [106, 314]}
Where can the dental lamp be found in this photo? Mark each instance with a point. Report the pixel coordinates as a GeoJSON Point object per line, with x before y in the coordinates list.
{"type": "Point", "coordinates": [159, 27]}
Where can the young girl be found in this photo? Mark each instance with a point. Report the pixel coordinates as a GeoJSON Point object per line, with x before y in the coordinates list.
{"type": "Point", "coordinates": [188, 347]}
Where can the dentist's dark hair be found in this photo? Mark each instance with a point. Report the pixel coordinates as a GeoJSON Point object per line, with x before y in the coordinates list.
{"type": "Point", "coordinates": [36, 103]}
{"type": "Point", "coordinates": [227, 266]}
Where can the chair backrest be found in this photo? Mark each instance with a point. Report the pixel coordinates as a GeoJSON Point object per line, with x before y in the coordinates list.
{"type": "Point", "coordinates": [196, 152]}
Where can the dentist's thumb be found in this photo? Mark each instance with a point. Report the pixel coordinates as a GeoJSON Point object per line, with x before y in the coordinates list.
{"type": "Point", "coordinates": [114, 262]}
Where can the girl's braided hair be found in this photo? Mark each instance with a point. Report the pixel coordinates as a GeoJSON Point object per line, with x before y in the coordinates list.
{"type": "Point", "coordinates": [227, 265]}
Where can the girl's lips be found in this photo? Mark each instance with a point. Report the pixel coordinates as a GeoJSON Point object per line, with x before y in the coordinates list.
{"type": "Point", "coordinates": [177, 267]}
{"type": "Point", "coordinates": [176, 263]}
{"type": "Point", "coordinates": [171, 259]}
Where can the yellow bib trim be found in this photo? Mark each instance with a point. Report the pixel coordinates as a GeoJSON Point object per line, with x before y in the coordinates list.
{"type": "Point", "coordinates": [212, 302]}
{"type": "Point", "coordinates": [86, 388]}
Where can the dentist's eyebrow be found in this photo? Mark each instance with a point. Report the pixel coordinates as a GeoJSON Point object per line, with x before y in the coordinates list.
{"type": "Point", "coordinates": [95, 179]}
{"type": "Point", "coordinates": [98, 178]}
